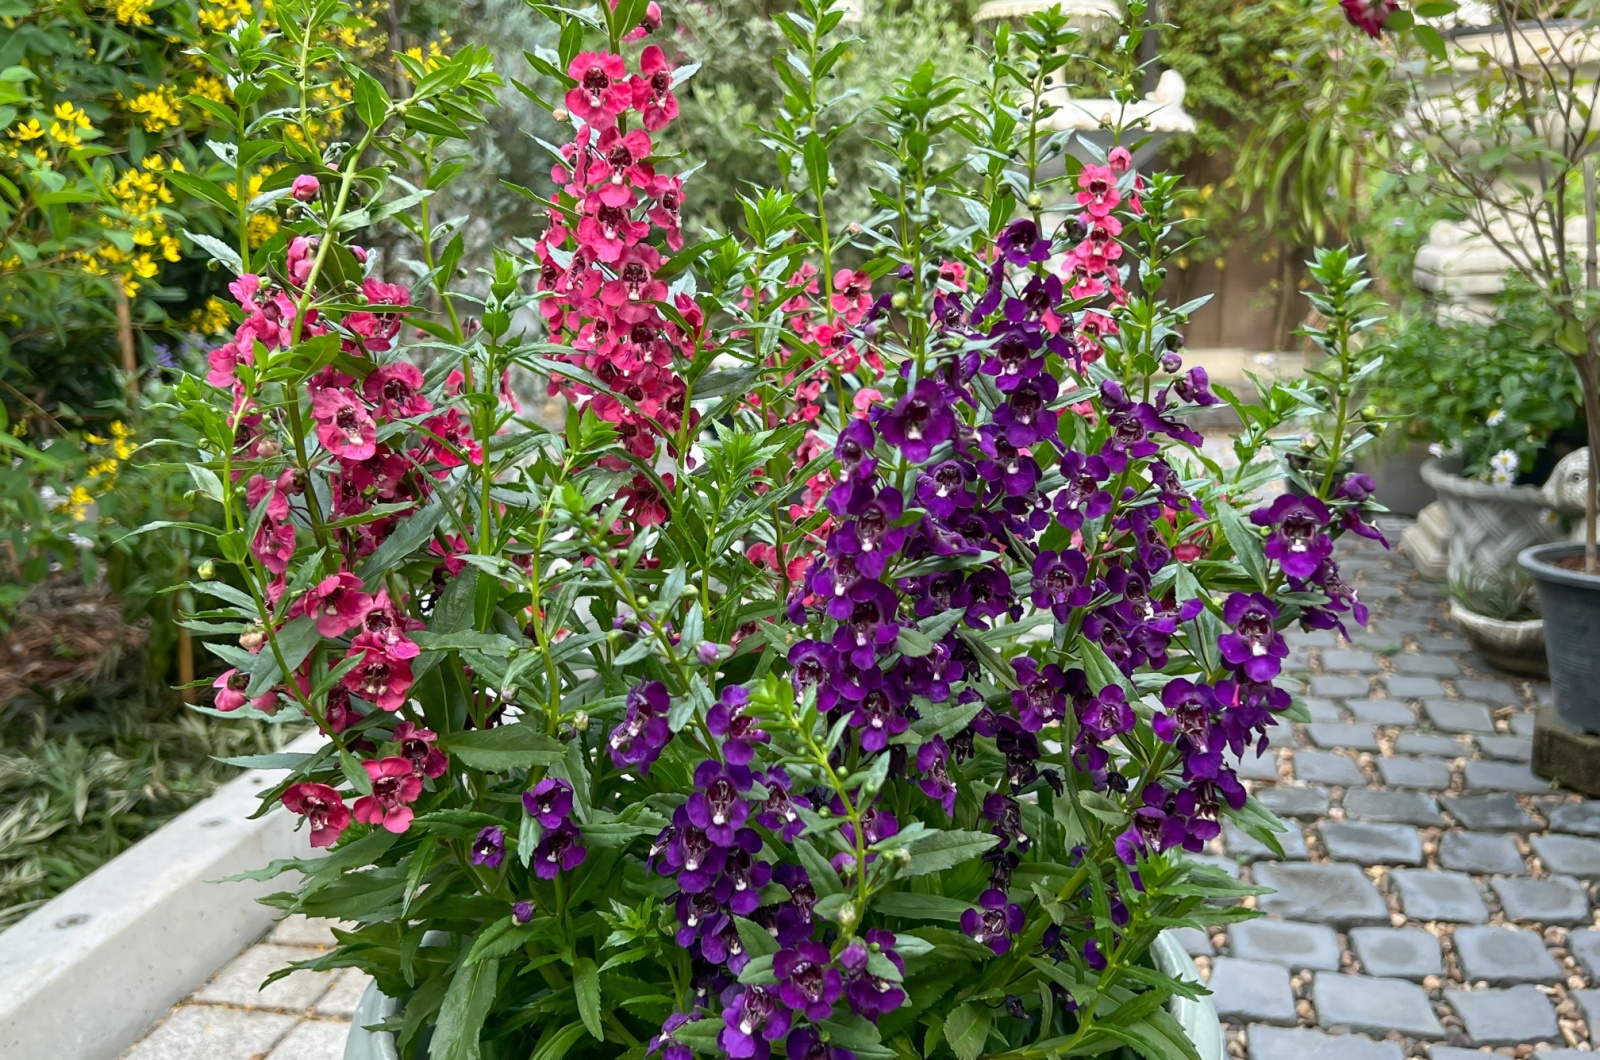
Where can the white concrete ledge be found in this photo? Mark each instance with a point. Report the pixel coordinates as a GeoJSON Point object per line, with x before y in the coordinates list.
{"type": "Point", "coordinates": [85, 974]}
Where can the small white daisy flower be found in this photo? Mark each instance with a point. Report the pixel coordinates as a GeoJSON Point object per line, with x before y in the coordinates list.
{"type": "Point", "coordinates": [1496, 418]}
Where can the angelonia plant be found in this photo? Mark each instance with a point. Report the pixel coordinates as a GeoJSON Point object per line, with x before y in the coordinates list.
{"type": "Point", "coordinates": [851, 672]}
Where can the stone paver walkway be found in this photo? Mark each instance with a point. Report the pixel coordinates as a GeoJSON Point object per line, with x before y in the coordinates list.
{"type": "Point", "coordinates": [304, 1016]}
{"type": "Point", "coordinates": [1436, 900]}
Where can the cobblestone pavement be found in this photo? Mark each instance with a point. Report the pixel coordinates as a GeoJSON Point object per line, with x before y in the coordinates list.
{"type": "Point", "coordinates": [305, 1016]}
{"type": "Point", "coordinates": [1436, 900]}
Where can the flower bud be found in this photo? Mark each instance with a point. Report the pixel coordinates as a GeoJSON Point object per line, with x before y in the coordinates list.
{"type": "Point", "coordinates": [900, 300]}
{"type": "Point", "coordinates": [305, 187]}
{"type": "Point", "coordinates": [847, 915]}
{"type": "Point", "coordinates": [268, 448]}
{"type": "Point", "coordinates": [560, 114]}
{"type": "Point", "coordinates": [708, 653]}
{"type": "Point", "coordinates": [1369, 412]}
{"type": "Point", "coordinates": [1035, 200]}
{"type": "Point", "coordinates": [207, 570]}
{"type": "Point", "coordinates": [252, 639]}
{"type": "Point", "coordinates": [522, 912]}
{"type": "Point", "coordinates": [580, 721]}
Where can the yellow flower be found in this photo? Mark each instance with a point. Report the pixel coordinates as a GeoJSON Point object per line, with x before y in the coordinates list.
{"type": "Point", "coordinates": [65, 134]}
{"type": "Point", "coordinates": [66, 112]}
{"type": "Point", "coordinates": [219, 16]}
{"type": "Point", "coordinates": [78, 503]}
{"type": "Point", "coordinates": [210, 319]}
{"type": "Point", "coordinates": [131, 12]}
{"type": "Point", "coordinates": [210, 87]}
{"type": "Point", "coordinates": [103, 468]}
{"type": "Point", "coordinates": [27, 130]}
{"type": "Point", "coordinates": [158, 109]}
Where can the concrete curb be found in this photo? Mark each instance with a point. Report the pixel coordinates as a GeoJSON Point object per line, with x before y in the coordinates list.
{"type": "Point", "coordinates": [84, 975]}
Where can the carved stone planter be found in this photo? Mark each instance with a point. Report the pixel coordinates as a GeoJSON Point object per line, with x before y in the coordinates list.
{"type": "Point", "coordinates": [1517, 647]}
{"type": "Point", "coordinates": [1489, 525]}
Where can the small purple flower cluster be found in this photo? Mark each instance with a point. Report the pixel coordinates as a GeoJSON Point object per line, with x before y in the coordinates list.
{"type": "Point", "coordinates": [560, 847]}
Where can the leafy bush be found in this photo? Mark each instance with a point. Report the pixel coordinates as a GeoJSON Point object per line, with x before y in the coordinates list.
{"type": "Point", "coordinates": [852, 668]}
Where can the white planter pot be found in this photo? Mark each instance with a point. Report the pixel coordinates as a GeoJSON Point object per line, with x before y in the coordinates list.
{"type": "Point", "coordinates": [1489, 525]}
{"type": "Point", "coordinates": [1514, 646]}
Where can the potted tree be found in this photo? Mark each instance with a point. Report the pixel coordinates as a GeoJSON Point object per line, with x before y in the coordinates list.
{"type": "Point", "coordinates": [851, 672]}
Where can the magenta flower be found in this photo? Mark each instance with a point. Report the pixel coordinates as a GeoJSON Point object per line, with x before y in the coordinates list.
{"type": "Point", "coordinates": [344, 426]}
{"type": "Point", "coordinates": [394, 787]}
{"type": "Point", "coordinates": [322, 807]}
{"type": "Point", "coordinates": [231, 685]}
{"type": "Point", "coordinates": [1369, 15]}
{"type": "Point", "coordinates": [417, 747]}
{"type": "Point", "coordinates": [395, 389]}
{"type": "Point", "coordinates": [600, 94]}
{"type": "Point", "coordinates": [1098, 193]}
{"type": "Point", "coordinates": [305, 187]}
{"type": "Point", "coordinates": [652, 89]}
{"type": "Point", "coordinates": [337, 603]}
{"type": "Point", "coordinates": [380, 678]}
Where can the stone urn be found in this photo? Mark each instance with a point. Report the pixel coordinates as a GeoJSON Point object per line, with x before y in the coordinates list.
{"type": "Point", "coordinates": [1488, 525]}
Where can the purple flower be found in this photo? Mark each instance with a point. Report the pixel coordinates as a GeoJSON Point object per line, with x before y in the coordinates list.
{"type": "Point", "coordinates": [866, 622]}
{"type": "Point", "coordinates": [919, 421]}
{"type": "Point", "coordinates": [751, 1019]}
{"type": "Point", "coordinates": [718, 807]}
{"type": "Point", "coordinates": [1005, 814]}
{"type": "Point", "coordinates": [558, 852]}
{"type": "Point", "coordinates": [1082, 496]}
{"type": "Point", "coordinates": [1357, 487]}
{"type": "Point", "coordinates": [807, 982]}
{"type": "Point", "coordinates": [1025, 415]}
{"type": "Point", "coordinates": [994, 921]}
{"type": "Point", "coordinates": [639, 737]}
{"type": "Point", "coordinates": [781, 812]}
{"type": "Point", "coordinates": [1255, 647]}
{"type": "Point", "coordinates": [933, 760]}
{"type": "Point", "coordinates": [878, 717]}
{"type": "Point", "coordinates": [1191, 716]}
{"type": "Point", "coordinates": [1060, 582]}
{"type": "Point", "coordinates": [872, 537]}
{"type": "Point", "coordinates": [811, 665]}
{"type": "Point", "coordinates": [549, 802]}
{"type": "Point", "coordinates": [805, 1043]}
{"type": "Point", "coordinates": [942, 489]}
{"type": "Point", "coordinates": [869, 994]}
{"type": "Point", "coordinates": [1014, 357]}
{"type": "Point", "coordinates": [1105, 715]}
{"type": "Point", "coordinates": [1012, 470]}
{"type": "Point", "coordinates": [738, 730]}
{"type": "Point", "coordinates": [671, 1048]}
{"type": "Point", "coordinates": [1040, 698]}
{"type": "Point", "coordinates": [522, 911]}
{"type": "Point", "coordinates": [1020, 243]}
{"type": "Point", "coordinates": [1298, 540]}
{"type": "Point", "coordinates": [489, 849]}
{"type": "Point", "coordinates": [1195, 386]}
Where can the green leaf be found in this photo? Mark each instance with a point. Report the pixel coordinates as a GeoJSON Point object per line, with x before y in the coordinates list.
{"type": "Point", "coordinates": [946, 850]}
{"type": "Point", "coordinates": [1430, 40]}
{"type": "Point", "coordinates": [586, 986]}
{"type": "Point", "coordinates": [372, 99]}
{"type": "Point", "coordinates": [355, 773]}
{"type": "Point", "coordinates": [920, 906]}
{"type": "Point", "coordinates": [758, 941]}
{"type": "Point", "coordinates": [281, 760]}
{"type": "Point", "coordinates": [1245, 542]}
{"type": "Point", "coordinates": [466, 1006]}
{"type": "Point", "coordinates": [406, 539]}
{"type": "Point", "coordinates": [295, 641]}
{"type": "Point", "coordinates": [504, 747]}
{"type": "Point", "coordinates": [215, 247]}
{"type": "Point", "coordinates": [967, 1029]}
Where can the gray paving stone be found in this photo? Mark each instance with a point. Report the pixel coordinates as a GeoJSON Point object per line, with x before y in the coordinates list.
{"type": "Point", "coordinates": [1503, 956]}
{"type": "Point", "coordinates": [1441, 645]}
{"type": "Point", "coordinates": [1429, 774]}
{"type": "Point", "coordinates": [1480, 852]}
{"type": "Point", "coordinates": [1522, 724]}
{"type": "Point", "coordinates": [1504, 776]}
{"type": "Point", "coordinates": [1381, 711]}
{"type": "Point", "coordinates": [1513, 1016]}
{"type": "Point", "coordinates": [298, 929]}
{"type": "Point", "coordinates": [1496, 693]}
{"type": "Point", "coordinates": [1427, 743]}
{"type": "Point", "coordinates": [313, 1040]}
{"type": "Point", "coordinates": [1321, 709]}
{"type": "Point", "coordinates": [1338, 685]}
{"type": "Point", "coordinates": [1549, 900]}
{"type": "Point", "coordinates": [1402, 686]}
{"type": "Point", "coordinates": [1588, 1004]}
{"type": "Point", "coordinates": [1374, 1006]}
{"type": "Point", "coordinates": [1295, 800]}
{"type": "Point", "coordinates": [1582, 818]}
{"type": "Point", "coordinates": [205, 1032]}
{"type": "Point", "coordinates": [1426, 663]}
{"type": "Point", "coordinates": [1488, 813]}
{"type": "Point", "coordinates": [1585, 949]}
{"type": "Point", "coordinates": [1247, 849]}
{"type": "Point", "coordinates": [1450, 715]}
{"type": "Point", "coordinates": [1327, 767]}
{"type": "Point", "coordinates": [1371, 844]}
{"type": "Point", "coordinates": [1252, 991]}
{"type": "Point", "coordinates": [1251, 767]}
{"type": "Point", "coordinates": [1313, 638]}
{"type": "Point", "coordinates": [342, 997]}
{"type": "Point", "coordinates": [1339, 894]}
{"type": "Point", "coordinates": [239, 983]}
{"type": "Point", "coordinates": [1295, 946]}
{"type": "Point", "coordinates": [1392, 807]}
{"type": "Point", "coordinates": [1428, 894]}
{"type": "Point", "coordinates": [1278, 1043]}
{"type": "Point", "coordinates": [1194, 941]}
{"type": "Point", "coordinates": [1569, 855]}
{"type": "Point", "coordinates": [1331, 735]}
{"type": "Point", "coordinates": [1338, 659]}
{"type": "Point", "coordinates": [1397, 953]}
{"type": "Point", "coordinates": [1508, 748]}
{"type": "Point", "coordinates": [1449, 1052]}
